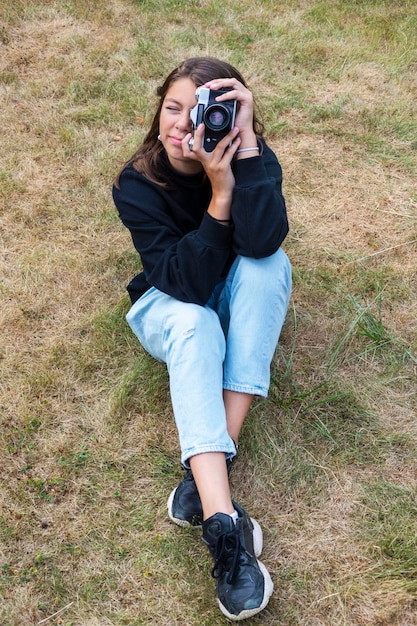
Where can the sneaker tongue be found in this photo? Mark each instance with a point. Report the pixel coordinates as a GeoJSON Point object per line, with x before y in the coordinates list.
{"type": "Point", "coordinates": [219, 524]}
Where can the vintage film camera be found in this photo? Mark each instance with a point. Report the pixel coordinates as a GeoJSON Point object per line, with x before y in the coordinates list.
{"type": "Point", "coordinates": [218, 117]}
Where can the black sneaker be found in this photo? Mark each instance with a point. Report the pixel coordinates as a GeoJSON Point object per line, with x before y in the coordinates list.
{"type": "Point", "coordinates": [243, 583]}
{"type": "Point", "coordinates": [184, 504]}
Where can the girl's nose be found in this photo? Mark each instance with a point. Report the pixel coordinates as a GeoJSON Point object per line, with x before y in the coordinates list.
{"type": "Point", "coordinates": [184, 122]}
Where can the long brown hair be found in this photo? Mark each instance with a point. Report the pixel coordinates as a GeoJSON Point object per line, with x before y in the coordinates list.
{"type": "Point", "coordinates": [146, 159]}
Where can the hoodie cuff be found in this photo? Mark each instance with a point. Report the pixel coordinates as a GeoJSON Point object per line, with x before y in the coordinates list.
{"type": "Point", "coordinates": [249, 172]}
{"type": "Point", "coordinates": [215, 234]}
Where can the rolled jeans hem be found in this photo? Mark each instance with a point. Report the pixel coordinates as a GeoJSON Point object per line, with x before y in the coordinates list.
{"type": "Point", "coordinates": [229, 451]}
{"type": "Point", "coordinates": [251, 390]}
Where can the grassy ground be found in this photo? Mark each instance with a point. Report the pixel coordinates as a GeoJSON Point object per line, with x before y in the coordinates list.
{"type": "Point", "coordinates": [89, 451]}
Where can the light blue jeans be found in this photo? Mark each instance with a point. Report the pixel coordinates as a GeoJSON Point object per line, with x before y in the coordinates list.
{"type": "Point", "coordinates": [227, 344]}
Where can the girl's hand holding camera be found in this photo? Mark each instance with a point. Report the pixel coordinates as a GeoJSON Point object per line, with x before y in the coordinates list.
{"type": "Point", "coordinates": [217, 164]}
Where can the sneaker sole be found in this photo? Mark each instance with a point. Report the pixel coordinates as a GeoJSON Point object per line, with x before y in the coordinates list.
{"type": "Point", "coordinates": [258, 539]}
{"type": "Point", "coordinates": [268, 589]}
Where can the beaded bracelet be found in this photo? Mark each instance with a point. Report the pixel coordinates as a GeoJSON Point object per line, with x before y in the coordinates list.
{"type": "Point", "coordinates": [247, 149]}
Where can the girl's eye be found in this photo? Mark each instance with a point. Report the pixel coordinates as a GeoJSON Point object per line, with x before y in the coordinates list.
{"type": "Point", "coordinates": [172, 109]}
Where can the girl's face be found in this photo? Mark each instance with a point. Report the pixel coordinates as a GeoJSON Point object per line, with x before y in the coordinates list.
{"type": "Point", "coordinates": [175, 124]}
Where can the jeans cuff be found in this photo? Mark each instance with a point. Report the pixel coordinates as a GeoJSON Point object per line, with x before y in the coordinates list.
{"type": "Point", "coordinates": [252, 390]}
{"type": "Point", "coordinates": [229, 450]}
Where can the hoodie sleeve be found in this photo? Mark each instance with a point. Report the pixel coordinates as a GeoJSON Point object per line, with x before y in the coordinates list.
{"type": "Point", "coordinates": [258, 210]}
{"type": "Point", "coordinates": [185, 265]}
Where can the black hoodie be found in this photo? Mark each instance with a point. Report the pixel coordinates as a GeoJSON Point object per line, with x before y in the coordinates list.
{"type": "Point", "coordinates": [184, 251]}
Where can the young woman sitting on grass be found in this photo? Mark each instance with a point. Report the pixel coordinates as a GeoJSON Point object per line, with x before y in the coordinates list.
{"type": "Point", "coordinates": [210, 302]}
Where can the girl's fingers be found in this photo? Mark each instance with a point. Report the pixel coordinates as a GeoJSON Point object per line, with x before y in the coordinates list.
{"type": "Point", "coordinates": [197, 140]}
{"type": "Point", "coordinates": [225, 148]}
{"type": "Point", "coordinates": [229, 140]}
{"type": "Point", "coordinates": [193, 143]}
{"type": "Point", "coordinates": [222, 83]}
{"type": "Point", "coordinates": [193, 148]}
{"type": "Point", "coordinates": [238, 91]}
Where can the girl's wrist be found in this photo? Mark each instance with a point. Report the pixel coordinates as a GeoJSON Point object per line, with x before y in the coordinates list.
{"type": "Point", "coordinates": [219, 207]}
{"type": "Point", "coordinates": [248, 146]}
{"type": "Point", "coordinates": [247, 138]}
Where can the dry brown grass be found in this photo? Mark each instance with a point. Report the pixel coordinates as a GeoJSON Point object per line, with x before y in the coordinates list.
{"type": "Point", "coordinates": [88, 446]}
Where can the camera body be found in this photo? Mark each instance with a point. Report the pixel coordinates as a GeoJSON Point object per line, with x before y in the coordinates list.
{"type": "Point", "coordinates": [217, 117]}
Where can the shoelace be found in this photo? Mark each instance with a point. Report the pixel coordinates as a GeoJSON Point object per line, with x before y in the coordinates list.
{"type": "Point", "coordinates": [228, 551]}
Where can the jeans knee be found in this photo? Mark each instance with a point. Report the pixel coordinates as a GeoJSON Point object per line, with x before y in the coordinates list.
{"type": "Point", "coordinates": [277, 264]}
{"type": "Point", "coordinates": [268, 273]}
{"type": "Point", "coordinates": [196, 324]}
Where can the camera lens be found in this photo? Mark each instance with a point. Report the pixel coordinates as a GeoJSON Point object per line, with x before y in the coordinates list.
{"type": "Point", "coordinates": [217, 117]}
